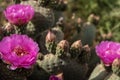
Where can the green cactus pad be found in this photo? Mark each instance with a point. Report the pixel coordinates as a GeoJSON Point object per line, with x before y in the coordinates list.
{"type": "Point", "coordinates": [51, 63]}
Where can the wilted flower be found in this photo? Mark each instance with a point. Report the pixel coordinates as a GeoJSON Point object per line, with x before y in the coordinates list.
{"type": "Point", "coordinates": [18, 51]}
{"type": "Point", "coordinates": [19, 14]}
{"type": "Point", "coordinates": [108, 51]}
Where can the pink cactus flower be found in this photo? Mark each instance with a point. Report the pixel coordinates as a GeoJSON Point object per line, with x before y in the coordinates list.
{"type": "Point", "coordinates": [18, 51]}
{"type": "Point", "coordinates": [108, 51]}
{"type": "Point", "coordinates": [19, 14]}
{"type": "Point", "coordinates": [53, 77]}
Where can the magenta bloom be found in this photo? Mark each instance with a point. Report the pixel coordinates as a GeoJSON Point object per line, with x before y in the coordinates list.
{"type": "Point", "coordinates": [53, 77]}
{"type": "Point", "coordinates": [19, 14]}
{"type": "Point", "coordinates": [108, 51]}
{"type": "Point", "coordinates": [18, 51]}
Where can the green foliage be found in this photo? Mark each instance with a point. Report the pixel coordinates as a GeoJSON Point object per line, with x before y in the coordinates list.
{"type": "Point", "coordinates": [108, 10]}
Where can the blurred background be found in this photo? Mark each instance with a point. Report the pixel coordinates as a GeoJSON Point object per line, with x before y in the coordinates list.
{"type": "Point", "coordinates": [104, 14]}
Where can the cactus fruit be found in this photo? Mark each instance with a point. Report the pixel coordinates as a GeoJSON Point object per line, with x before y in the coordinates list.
{"type": "Point", "coordinates": [18, 74]}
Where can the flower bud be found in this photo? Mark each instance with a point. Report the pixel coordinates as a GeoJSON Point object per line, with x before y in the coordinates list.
{"type": "Point", "coordinates": [62, 48]}
{"type": "Point", "coordinates": [77, 44]}
{"type": "Point", "coordinates": [9, 27]}
{"type": "Point", "coordinates": [85, 54]}
{"type": "Point", "coordinates": [63, 45]}
{"type": "Point", "coordinates": [86, 48]}
{"type": "Point", "coordinates": [75, 49]}
{"type": "Point", "coordinates": [50, 37]}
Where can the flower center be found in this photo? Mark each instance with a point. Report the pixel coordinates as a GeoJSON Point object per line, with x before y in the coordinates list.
{"type": "Point", "coordinates": [20, 51]}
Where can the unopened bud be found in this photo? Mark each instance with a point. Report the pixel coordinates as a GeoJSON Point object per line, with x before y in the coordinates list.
{"type": "Point", "coordinates": [86, 48]}
{"type": "Point", "coordinates": [76, 48]}
{"type": "Point", "coordinates": [62, 48]}
{"type": "Point", "coordinates": [60, 76]}
{"type": "Point", "coordinates": [65, 1]}
{"type": "Point", "coordinates": [8, 27]}
{"type": "Point", "coordinates": [63, 45]}
{"type": "Point", "coordinates": [73, 16]}
{"type": "Point", "coordinates": [77, 44]}
{"type": "Point", "coordinates": [79, 20]}
{"type": "Point", "coordinates": [85, 55]}
{"type": "Point", "coordinates": [50, 37]}
{"type": "Point", "coordinates": [97, 18]}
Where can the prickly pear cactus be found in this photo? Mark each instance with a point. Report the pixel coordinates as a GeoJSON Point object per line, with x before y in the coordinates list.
{"type": "Point", "coordinates": [75, 71]}
{"type": "Point", "coordinates": [100, 73]}
{"type": "Point", "coordinates": [88, 33]}
{"type": "Point", "coordinates": [60, 59]}
{"type": "Point", "coordinates": [78, 66]}
{"type": "Point", "coordinates": [60, 5]}
{"type": "Point", "coordinates": [79, 52]}
{"type": "Point", "coordinates": [54, 62]}
{"type": "Point", "coordinates": [51, 63]}
{"type": "Point", "coordinates": [58, 32]}
{"type": "Point", "coordinates": [44, 17]}
{"type": "Point", "coordinates": [112, 76]}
